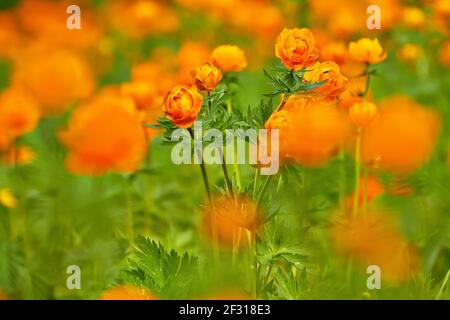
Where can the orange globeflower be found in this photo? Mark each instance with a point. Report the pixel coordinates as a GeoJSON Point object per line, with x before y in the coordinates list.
{"type": "Point", "coordinates": [51, 25]}
{"type": "Point", "coordinates": [296, 48]}
{"type": "Point", "coordinates": [127, 292]}
{"type": "Point", "coordinates": [207, 77]}
{"type": "Point", "coordinates": [444, 54]}
{"type": "Point", "coordinates": [182, 106]}
{"type": "Point", "coordinates": [363, 114]}
{"type": "Point", "coordinates": [334, 82]}
{"type": "Point", "coordinates": [19, 114]}
{"type": "Point", "coordinates": [20, 155]}
{"type": "Point", "coordinates": [103, 136]}
{"type": "Point", "coordinates": [410, 52]}
{"type": "Point", "coordinates": [232, 219]}
{"type": "Point", "coordinates": [55, 77]}
{"type": "Point", "coordinates": [335, 51]}
{"type": "Point", "coordinates": [373, 238]}
{"type": "Point", "coordinates": [315, 132]}
{"type": "Point", "coordinates": [414, 18]}
{"type": "Point", "coordinates": [403, 137]}
{"type": "Point", "coordinates": [190, 56]}
{"type": "Point", "coordinates": [143, 93]}
{"type": "Point", "coordinates": [366, 51]}
{"type": "Point", "coordinates": [374, 189]}
{"type": "Point", "coordinates": [229, 58]}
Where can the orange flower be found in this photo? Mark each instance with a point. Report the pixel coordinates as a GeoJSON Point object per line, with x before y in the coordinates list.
{"type": "Point", "coordinates": [190, 56]}
{"type": "Point", "coordinates": [20, 155]}
{"type": "Point", "coordinates": [51, 25]}
{"type": "Point", "coordinates": [278, 120]}
{"type": "Point", "coordinates": [19, 114]}
{"type": "Point", "coordinates": [315, 132]}
{"type": "Point", "coordinates": [229, 58]}
{"type": "Point", "coordinates": [102, 136]}
{"type": "Point", "coordinates": [444, 54]}
{"type": "Point", "coordinates": [231, 218]}
{"type": "Point", "coordinates": [296, 48]}
{"type": "Point", "coordinates": [410, 52]}
{"type": "Point", "coordinates": [403, 137]}
{"type": "Point", "coordinates": [334, 82]}
{"type": "Point", "coordinates": [55, 77]}
{"type": "Point", "coordinates": [182, 105]}
{"type": "Point", "coordinates": [206, 77]}
{"type": "Point", "coordinates": [366, 51]}
{"type": "Point", "coordinates": [353, 93]}
{"type": "Point", "coordinates": [11, 39]}
{"type": "Point", "coordinates": [334, 51]}
{"type": "Point", "coordinates": [363, 114]}
{"type": "Point", "coordinates": [127, 292]}
{"type": "Point", "coordinates": [143, 93]}
{"type": "Point", "coordinates": [413, 17]}
{"type": "Point", "coordinates": [374, 190]}
{"type": "Point", "coordinates": [140, 18]}
{"type": "Point", "coordinates": [373, 238]}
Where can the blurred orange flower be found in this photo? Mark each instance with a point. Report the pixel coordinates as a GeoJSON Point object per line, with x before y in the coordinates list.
{"type": "Point", "coordinates": [54, 76]}
{"type": "Point", "coordinates": [231, 217]}
{"type": "Point", "coordinates": [18, 155]}
{"type": "Point", "coordinates": [48, 23]}
{"type": "Point", "coordinates": [103, 136]}
{"type": "Point", "coordinates": [413, 18]}
{"type": "Point", "coordinates": [141, 18]}
{"type": "Point", "coordinates": [206, 77]}
{"type": "Point", "coordinates": [366, 51]}
{"type": "Point", "coordinates": [127, 292]}
{"type": "Point", "coordinates": [11, 40]}
{"type": "Point", "coordinates": [403, 137]}
{"type": "Point", "coordinates": [444, 54]}
{"type": "Point", "coordinates": [334, 82]}
{"type": "Point", "coordinates": [410, 52]}
{"type": "Point", "coordinates": [335, 51]}
{"type": "Point", "coordinates": [315, 132]}
{"type": "Point", "coordinates": [19, 114]}
{"type": "Point", "coordinates": [229, 58]}
{"type": "Point", "coordinates": [363, 114]}
{"type": "Point", "coordinates": [296, 48]}
{"type": "Point", "coordinates": [190, 56]}
{"type": "Point", "coordinates": [182, 105]}
{"type": "Point", "coordinates": [373, 238]}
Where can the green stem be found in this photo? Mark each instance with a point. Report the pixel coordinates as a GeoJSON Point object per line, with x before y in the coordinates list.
{"type": "Point", "coordinates": [228, 182]}
{"type": "Point", "coordinates": [210, 199]}
{"type": "Point", "coordinates": [366, 90]}
{"type": "Point", "coordinates": [264, 190]}
{"type": "Point", "coordinates": [130, 219]}
{"type": "Point", "coordinates": [441, 290]}
{"type": "Point", "coordinates": [357, 173]}
{"type": "Point", "coordinates": [255, 182]}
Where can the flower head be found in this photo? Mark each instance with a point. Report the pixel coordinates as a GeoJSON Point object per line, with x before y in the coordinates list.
{"type": "Point", "coordinates": [229, 58]}
{"type": "Point", "coordinates": [206, 77]}
{"type": "Point", "coordinates": [182, 105]}
{"type": "Point", "coordinates": [366, 51]}
{"type": "Point", "coordinates": [296, 48]}
{"type": "Point", "coordinates": [334, 83]}
{"type": "Point", "coordinates": [103, 136]}
{"type": "Point", "coordinates": [363, 113]}
{"type": "Point", "coordinates": [230, 216]}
